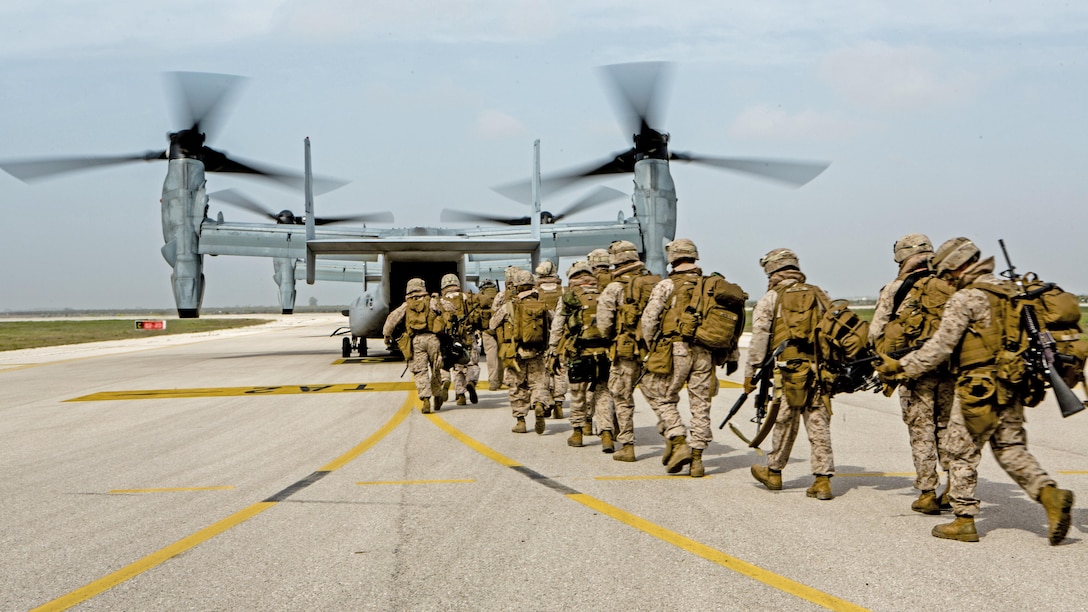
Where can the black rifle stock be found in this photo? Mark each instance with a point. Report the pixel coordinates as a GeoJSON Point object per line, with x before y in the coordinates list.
{"type": "Point", "coordinates": [763, 375]}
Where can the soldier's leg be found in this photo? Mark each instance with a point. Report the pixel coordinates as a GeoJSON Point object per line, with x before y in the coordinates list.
{"type": "Point", "coordinates": [494, 368]}
{"type": "Point", "coordinates": [681, 367]}
{"type": "Point", "coordinates": [944, 393]}
{"type": "Point", "coordinates": [621, 388]}
{"type": "Point", "coordinates": [420, 366]}
{"type": "Point", "coordinates": [783, 436]}
{"type": "Point", "coordinates": [579, 406]}
{"type": "Point", "coordinates": [519, 392]}
{"type": "Point", "coordinates": [540, 389]}
{"type": "Point", "coordinates": [964, 453]}
{"type": "Point", "coordinates": [1010, 447]}
{"type": "Point", "coordinates": [434, 355]}
{"type": "Point", "coordinates": [917, 402]}
{"type": "Point", "coordinates": [701, 387]}
{"type": "Point", "coordinates": [818, 428]}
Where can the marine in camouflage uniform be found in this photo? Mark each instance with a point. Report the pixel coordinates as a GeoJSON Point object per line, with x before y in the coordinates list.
{"type": "Point", "coordinates": [506, 373]}
{"type": "Point", "coordinates": [567, 342]}
{"type": "Point", "coordinates": [926, 401]}
{"type": "Point", "coordinates": [527, 379]}
{"type": "Point", "coordinates": [692, 364]}
{"type": "Point", "coordinates": [425, 361]}
{"type": "Point", "coordinates": [783, 270]}
{"type": "Point", "coordinates": [488, 291]}
{"type": "Point", "coordinates": [600, 262]}
{"type": "Point", "coordinates": [985, 409]}
{"type": "Point", "coordinates": [550, 287]}
{"type": "Point", "coordinates": [464, 321]}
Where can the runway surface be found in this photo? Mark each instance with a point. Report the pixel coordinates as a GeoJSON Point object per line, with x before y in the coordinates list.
{"type": "Point", "coordinates": [255, 469]}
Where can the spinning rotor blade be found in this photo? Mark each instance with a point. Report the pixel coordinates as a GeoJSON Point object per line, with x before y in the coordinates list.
{"type": "Point", "coordinates": [791, 172]}
{"type": "Point", "coordinates": [234, 198]}
{"type": "Point", "coordinates": [521, 191]}
{"type": "Point", "coordinates": [635, 89]}
{"type": "Point", "coordinates": [469, 217]}
{"type": "Point", "coordinates": [215, 161]}
{"type": "Point", "coordinates": [378, 217]}
{"type": "Point", "coordinates": [201, 97]}
{"type": "Point", "coordinates": [33, 169]}
{"type": "Point", "coordinates": [597, 197]}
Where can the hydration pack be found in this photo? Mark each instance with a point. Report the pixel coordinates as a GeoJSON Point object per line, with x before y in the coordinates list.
{"type": "Point", "coordinates": [714, 314]}
{"type": "Point", "coordinates": [530, 322]}
{"type": "Point", "coordinates": [916, 314]}
{"type": "Point", "coordinates": [420, 318]}
{"type": "Point", "coordinates": [797, 316]}
{"type": "Point", "coordinates": [629, 342]}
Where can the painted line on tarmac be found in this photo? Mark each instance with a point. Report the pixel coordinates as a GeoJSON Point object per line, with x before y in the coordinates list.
{"type": "Point", "coordinates": [711, 554]}
{"type": "Point", "coordinates": [876, 474]}
{"type": "Point", "coordinates": [171, 489]}
{"type": "Point", "coordinates": [156, 558]}
{"type": "Point", "coordinates": [1073, 472]}
{"type": "Point", "coordinates": [644, 477]}
{"type": "Point", "coordinates": [415, 482]}
{"type": "Point", "coordinates": [354, 360]}
{"type": "Point", "coordinates": [244, 391]}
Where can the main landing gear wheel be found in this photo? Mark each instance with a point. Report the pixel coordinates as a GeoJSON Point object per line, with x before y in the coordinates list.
{"type": "Point", "coordinates": [345, 347]}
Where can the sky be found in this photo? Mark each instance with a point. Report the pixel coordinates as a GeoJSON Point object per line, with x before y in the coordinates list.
{"type": "Point", "coordinates": [949, 119]}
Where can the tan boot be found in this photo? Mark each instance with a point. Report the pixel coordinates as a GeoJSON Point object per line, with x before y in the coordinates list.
{"type": "Point", "coordinates": [626, 453]}
{"type": "Point", "coordinates": [821, 488]}
{"type": "Point", "coordinates": [445, 391]}
{"type": "Point", "coordinates": [772, 479]}
{"type": "Point", "coordinates": [587, 429]}
{"type": "Point", "coordinates": [926, 503]}
{"type": "Point", "coordinates": [575, 438]}
{"type": "Point", "coordinates": [607, 445]}
{"type": "Point", "coordinates": [472, 397]}
{"type": "Point", "coordinates": [681, 455]}
{"type": "Point", "coordinates": [559, 410]}
{"type": "Point", "coordinates": [426, 409]}
{"type": "Point", "coordinates": [461, 400]}
{"type": "Point", "coordinates": [945, 502]}
{"type": "Point", "coordinates": [668, 452]}
{"type": "Point", "coordinates": [538, 408]}
{"type": "Point", "coordinates": [697, 470]}
{"type": "Point", "coordinates": [1058, 503]}
{"type": "Point", "coordinates": [962, 529]}
{"type": "Point", "coordinates": [437, 400]}
{"type": "Point", "coordinates": [519, 427]}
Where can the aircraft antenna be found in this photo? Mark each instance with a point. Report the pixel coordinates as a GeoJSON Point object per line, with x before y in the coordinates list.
{"type": "Point", "coordinates": [311, 258]}
{"type": "Point", "coordinates": [535, 217]}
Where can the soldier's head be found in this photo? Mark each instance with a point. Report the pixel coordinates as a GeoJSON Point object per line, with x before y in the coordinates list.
{"type": "Point", "coordinates": [954, 256]}
{"type": "Point", "coordinates": [415, 287]}
{"type": "Point", "coordinates": [680, 251]}
{"type": "Point", "coordinates": [450, 282]}
{"type": "Point", "coordinates": [910, 245]}
{"type": "Point", "coordinates": [598, 258]}
{"type": "Point", "coordinates": [523, 280]}
{"type": "Point", "coordinates": [511, 272]}
{"type": "Point", "coordinates": [621, 252]}
{"type": "Point", "coordinates": [487, 283]}
{"type": "Point", "coordinates": [779, 259]}
{"type": "Point", "coordinates": [580, 273]}
{"type": "Point", "coordinates": [545, 268]}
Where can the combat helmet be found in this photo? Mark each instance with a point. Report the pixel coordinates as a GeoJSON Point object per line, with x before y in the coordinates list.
{"type": "Point", "coordinates": [954, 254]}
{"type": "Point", "coordinates": [511, 272]}
{"type": "Point", "coordinates": [579, 267]}
{"type": "Point", "coordinates": [778, 259]}
{"type": "Point", "coordinates": [415, 286]}
{"type": "Point", "coordinates": [451, 280]}
{"type": "Point", "coordinates": [598, 258]}
{"type": "Point", "coordinates": [911, 244]}
{"type": "Point", "coordinates": [681, 248]}
{"type": "Point", "coordinates": [621, 252]}
{"type": "Point", "coordinates": [546, 268]}
{"type": "Point", "coordinates": [523, 278]}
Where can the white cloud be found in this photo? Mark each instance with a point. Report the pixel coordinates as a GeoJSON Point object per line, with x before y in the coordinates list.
{"type": "Point", "coordinates": [494, 125]}
{"type": "Point", "coordinates": [762, 122]}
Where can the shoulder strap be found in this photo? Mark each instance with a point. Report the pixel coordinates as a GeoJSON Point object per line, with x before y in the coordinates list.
{"type": "Point", "coordinates": [905, 287]}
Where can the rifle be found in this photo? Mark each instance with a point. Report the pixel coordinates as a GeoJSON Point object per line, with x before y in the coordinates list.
{"type": "Point", "coordinates": [763, 375]}
{"type": "Point", "coordinates": [1041, 356]}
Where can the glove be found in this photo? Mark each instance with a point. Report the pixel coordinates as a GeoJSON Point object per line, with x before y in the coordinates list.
{"type": "Point", "coordinates": [889, 368]}
{"type": "Point", "coordinates": [730, 367]}
{"type": "Point", "coordinates": [749, 384]}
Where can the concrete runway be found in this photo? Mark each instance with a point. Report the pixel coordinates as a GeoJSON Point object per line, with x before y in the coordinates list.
{"type": "Point", "coordinates": [247, 469]}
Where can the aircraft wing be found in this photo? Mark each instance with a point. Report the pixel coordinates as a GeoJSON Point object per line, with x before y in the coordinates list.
{"type": "Point", "coordinates": [426, 247]}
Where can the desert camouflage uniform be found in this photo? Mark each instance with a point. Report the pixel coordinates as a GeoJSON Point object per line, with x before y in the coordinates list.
{"type": "Point", "coordinates": [691, 364]}
{"type": "Point", "coordinates": [490, 344]}
{"type": "Point", "coordinates": [968, 309]}
{"type": "Point", "coordinates": [926, 401]}
{"type": "Point", "coordinates": [426, 361]}
{"type": "Point", "coordinates": [816, 415]}
{"type": "Point", "coordinates": [528, 381]}
{"type": "Point", "coordinates": [505, 375]}
{"type": "Point", "coordinates": [551, 287]}
{"type": "Point", "coordinates": [585, 404]}
{"type": "Point", "coordinates": [462, 374]}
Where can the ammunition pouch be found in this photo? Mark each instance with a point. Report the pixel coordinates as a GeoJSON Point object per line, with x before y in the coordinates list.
{"type": "Point", "coordinates": [978, 394]}
{"type": "Point", "coordinates": [798, 378]}
{"type": "Point", "coordinates": [591, 369]}
{"type": "Point", "coordinates": [404, 343]}
{"type": "Point", "coordinates": [659, 360]}
{"type": "Point", "coordinates": [625, 347]}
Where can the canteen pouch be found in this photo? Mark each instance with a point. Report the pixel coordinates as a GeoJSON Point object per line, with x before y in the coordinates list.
{"type": "Point", "coordinates": [660, 359]}
{"type": "Point", "coordinates": [976, 391]}
{"type": "Point", "coordinates": [797, 383]}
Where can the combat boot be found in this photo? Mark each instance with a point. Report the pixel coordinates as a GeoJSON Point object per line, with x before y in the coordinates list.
{"type": "Point", "coordinates": [821, 488]}
{"type": "Point", "coordinates": [697, 470]}
{"type": "Point", "coordinates": [461, 399]}
{"type": "Point", "coordinates": [607, 446]}
{"type": "Point", "coordinates": [1058, 503]}
{"type": "Point", "coordinates": [945, 501]}
{"type": "Point", "coordinates": [587, 429]}
{"type": "Point", "coordinates": [519, 427]}
{"type": "Point", "coordinates": [668, 452]}
{"type": "Point", "coordinates": [426, 409]}
{"type": "Point", "coordinates": [926, 503]}
{"type": "Point", "coordinates": [627, 453]}
{"type": "Point", "coordinates": [559, 410]}
{"type": "Point", "coordinates": [446, 391]}
{"type": "Point", "coordinates": [575, 438]}
{"type": "Point", "coordinates": [962, 529]}
{"type": "Point", "coordinates": [681, 455]}
{"type": "Point", "coordinates": [772, 479]}
{"type": "Point", "coordinates": [538, 408]}
{"type": "Point", "coordinates": [472, 397]}
{"type": "Point", "coordinates": [437, 400]}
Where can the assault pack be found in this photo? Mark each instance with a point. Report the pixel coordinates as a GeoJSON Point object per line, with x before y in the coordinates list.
{"type": "Point", "coordinates": [916, 312]}
{"type": "Point", "coordinates": [529, 323]}
{"type": "Point", "coordinates": [420, 318]}
{"type": "Point", "coordinates": [713, 316]}
{"type": "Point", "coordinates": [583, 343]}
{"type": "Point", "coordinates": [1058, 312]}
{"type": "Point", "coordinates": [487, 298]}
{"type": "Point", "coordinates": [629, 343]}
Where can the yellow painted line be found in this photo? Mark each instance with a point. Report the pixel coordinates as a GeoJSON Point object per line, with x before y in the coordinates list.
{"type": "Point", "coordinates": [728, 384]}
{"type": "Point", "coordinates": [352, 360]}
{"type": "Point", "coordinates": [665, 477]}
{"type": "Point", "coordinates": [244, 391]}
{"type": "Point", "coordinates": [879, 474]}
{"type": "Point", "coordinates": [173, 489]}
{"type": "Point", "coordinates": [729, 562]}
{"type": "Point", "coordinates": [1073, 471]}
{"type": "Point", "coordinates": [138, 567]}
{"type": "Point", "coordinates": [742, 567]}
{"type": "Point", "coordinates": [415, 482]}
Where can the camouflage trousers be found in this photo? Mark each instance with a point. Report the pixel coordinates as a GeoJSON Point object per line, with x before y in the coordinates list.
{"type": "Point", "coordinates": [694, 366]}
{"type": "Point", "coordinates": [1009, 443]}
{"type": "Point", "coordinates": [927, 403]}
{"type": "Point", "coordinates": [426, 365]}
{"type": "Point", "coordinates": [461, 375]}
{"type": "Point", "coordinates": [528, 384]}
{"type": "Point", "coordinates": [494, 366]}
{"type": "Point", "coordinates": [817, 419]}
{"type": "Point", "coordinates": [621, 388]}
{"type": "Point", "coordinates": [559, 386]}
{"type": "Point", "coordinates": [586, 405]}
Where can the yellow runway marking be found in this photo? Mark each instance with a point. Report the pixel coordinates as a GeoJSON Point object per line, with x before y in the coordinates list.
{"type": "Point", "coordinates": [742, 567]}
{"type": "Point", "coordinates": [244, 391]}
{"type": "Point", "coordinates": [728, 384]}
{"type": "Point", "coordinates": [879, 474]}
{"type": "Point", "coordinates": [1073, 471]}
{"type": "Point", "coordinates": [173, 489]}
{"type": "Point", "coordinates": [666, 477]}
{"type": "Point", "coordinates": [415, 482]}
{"type": "Point", "coordinates": [138, 567]}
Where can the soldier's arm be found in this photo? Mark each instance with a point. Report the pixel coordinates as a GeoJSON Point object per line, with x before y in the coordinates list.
{"type": "Point", "coordinates": [651, 317]}
{"type": "Point", "coordinates": [393, 319]}
{"type": "Point", "coordinates": [762, 319]}
{"type": "Point", "coordinates": [606, 309]}
{"type": "Point", "coordinates": [498, 315]}
{"type": "Point", "coordinates": [557, 328]}
{"type": "Point", "coordinates": [963, 309]}
{"type": "Point", "coordinates": [883, 311]}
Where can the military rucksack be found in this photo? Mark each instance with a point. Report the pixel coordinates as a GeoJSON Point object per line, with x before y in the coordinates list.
{"type": "Point", "coordinates": [798, 313]}
{"type": "Point", "coordinates": [551, 297]}
{"type": "Point", "coordinates": [420, 318]}
{"type": "Point", "coordinates": [580, 314]}
{"type": "Point", "coordinates": [529, 317]}
{"type": "Point", "coordinates": [487, 298]}
{"type": "Point", "coordinates": [1058, 312]}
{"type": "Point", "coordinates": [629, 342]}
{"type": "Point", "coordinates": [916, 312]}
{"type": "Point", "coordinates": [714, 315]}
